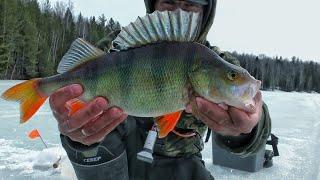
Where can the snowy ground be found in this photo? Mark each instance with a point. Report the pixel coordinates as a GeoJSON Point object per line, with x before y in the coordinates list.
{"type": "Point", "coordinates": [296, 121]}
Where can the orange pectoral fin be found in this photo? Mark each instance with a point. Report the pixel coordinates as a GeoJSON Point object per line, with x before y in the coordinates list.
{"type": "Point", "coordinates": [167, 123]}
{"type": "Point", "coordinates": [75, 105]}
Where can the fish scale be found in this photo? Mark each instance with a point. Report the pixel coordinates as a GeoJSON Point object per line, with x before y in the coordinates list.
{"type": "Point", "coordinates": [143, 85]}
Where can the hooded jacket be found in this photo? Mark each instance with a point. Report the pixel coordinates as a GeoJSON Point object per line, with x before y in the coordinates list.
{"type": "Point", "coordinates": [244, 145]}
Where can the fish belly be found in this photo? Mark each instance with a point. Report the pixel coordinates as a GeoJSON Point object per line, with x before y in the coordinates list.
{"type": "Point", "coordinates": [144, 88]}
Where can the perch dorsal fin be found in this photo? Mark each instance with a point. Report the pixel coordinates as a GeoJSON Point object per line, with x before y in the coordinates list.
{"type": "Point", "coordinates": [80, 52]}
{"type": "Point", "coordinates": [178, 25]}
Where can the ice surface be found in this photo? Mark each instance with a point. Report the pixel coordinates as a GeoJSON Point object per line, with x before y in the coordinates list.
{"type": "Point", "coordinates": [295, 120]}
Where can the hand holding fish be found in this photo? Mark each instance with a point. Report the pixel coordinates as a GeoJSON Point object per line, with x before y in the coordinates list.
{"type": "Point", "coordinates": [90, 124]}
{"type": "Point", "coordinates": [228, 121]}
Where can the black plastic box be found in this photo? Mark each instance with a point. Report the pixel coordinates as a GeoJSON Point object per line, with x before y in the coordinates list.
{"type": "Point", "coordinates": [224, 158]}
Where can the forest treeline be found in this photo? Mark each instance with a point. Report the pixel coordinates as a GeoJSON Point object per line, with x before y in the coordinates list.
{"type": "Point", "coordinates": [281, 73]}
{"type": "Point", "coordinates": [34, 37]}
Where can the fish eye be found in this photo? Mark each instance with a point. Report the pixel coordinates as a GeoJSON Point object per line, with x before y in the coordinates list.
{"type": "Point", "coordinates": [232, 75]}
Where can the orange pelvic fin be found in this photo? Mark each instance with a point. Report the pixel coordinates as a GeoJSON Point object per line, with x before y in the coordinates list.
{"type": "Point", "coordinates": [27, 94]}
{"type": "Point", "coordinates": [75, 105]}
{"type": "Point", "coordinates": [167, 123]}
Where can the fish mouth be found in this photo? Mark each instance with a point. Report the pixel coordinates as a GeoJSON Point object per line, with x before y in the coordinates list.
{"type": "Point", "coordinates": [249, 104]}
{"type": "Point", "coordinates": [244, 96]}
{"type": "Point", "coordinates": [253, 89]}
{"type": "Point", "coordinates": [247, 91]}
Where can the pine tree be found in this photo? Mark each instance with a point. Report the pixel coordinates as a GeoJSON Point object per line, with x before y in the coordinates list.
{"type": "Point", "coordinates": [11, 37]}
{"type": "Point", "coordinates": [93, 30]}
{"type": "Point", "coordinates": [30, 49]}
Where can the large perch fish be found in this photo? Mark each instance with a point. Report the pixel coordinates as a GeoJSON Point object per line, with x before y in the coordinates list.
{"type": "Point", "coordinates": [152, 77]}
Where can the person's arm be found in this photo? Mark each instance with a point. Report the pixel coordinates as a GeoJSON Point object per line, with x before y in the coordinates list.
{"type": "Point", "coordinates": [94, 148]}
{"type": "Point", "coordinates": [248, 144]}
{"type": "Point", "coordinates": [237, 131]}
{"type": "Point", "coordinates": [241, 132]}
{"type": "Point", "coordinates": [104, 160]}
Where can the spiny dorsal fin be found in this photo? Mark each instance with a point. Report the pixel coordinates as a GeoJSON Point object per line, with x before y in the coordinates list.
{"type": "Point", "coordinates": [80, 51]}
{"type": "Point", "coordinates": [178, 25]}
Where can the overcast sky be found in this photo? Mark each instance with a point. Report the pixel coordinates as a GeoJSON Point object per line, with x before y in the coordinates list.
{"type": "Point", "coordinates": [272, 27]}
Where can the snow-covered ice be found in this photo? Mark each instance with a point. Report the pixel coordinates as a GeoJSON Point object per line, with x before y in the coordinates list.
{"type": "Point", "coordinates": [295, 120]}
